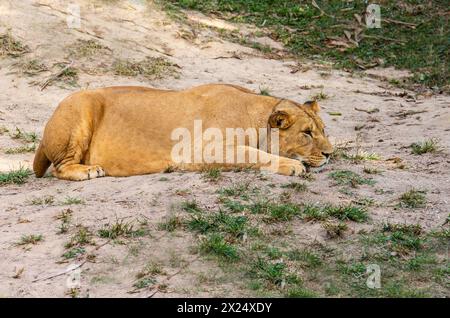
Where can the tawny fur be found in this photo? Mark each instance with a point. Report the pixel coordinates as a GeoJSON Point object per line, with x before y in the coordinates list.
{"type": "Point", "coordinates": [124, 131]}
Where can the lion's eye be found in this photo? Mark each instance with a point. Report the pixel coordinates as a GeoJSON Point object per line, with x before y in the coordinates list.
{"type": "Point", "coordinates": [308, 132]}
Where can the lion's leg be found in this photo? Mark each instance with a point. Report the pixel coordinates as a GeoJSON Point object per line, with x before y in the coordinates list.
{"type": "Point", "coordinates": [273, 163]}
{"type": "Point", "coordinates": [78, 172]}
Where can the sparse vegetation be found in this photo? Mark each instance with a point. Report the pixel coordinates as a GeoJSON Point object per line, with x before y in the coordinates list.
{"type": "Point", "coordinates": [335, 229]}
{"type": "Point", "coordinates": [30, 239]}
{"type": "Point", "coordinates": [213, 174]}
{"type": "Point", "coordinates": [86, 48]}
{"type": "Point", "coordinates": [10, 46]}
{"type": "Point", "coordinates": [45, 200]}
{"type": "Point", "coordinates": [21, 149]}
{"type": "Point", "coordinates": [296, 186]}
{"type": "Point", "coordinates": [18, 176]}
{"type": "Point", "coordinates": [24, 136]}
{"type": "Point", "coordinates": [349, 178]}
{"type": "Point", "coordinates": [427, 146]}
{"type": "Point", "coordinates": [413, 199]}
{"type": "Point", "coordinates": [120, 228]}
{"type": "Point", "coordinates": [265, 91]}
{"type": "Point", "coordinates": [72, 201]}
{"type": "Point", "coordinates": [150, 68]}
{"type": "Point", "coordinates": [81, 237]}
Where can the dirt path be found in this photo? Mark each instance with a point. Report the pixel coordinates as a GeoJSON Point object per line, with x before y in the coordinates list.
{"type": "Point", "coordinates": [131, 31]}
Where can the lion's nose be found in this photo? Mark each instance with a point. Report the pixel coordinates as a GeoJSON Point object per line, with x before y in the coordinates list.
{"type": "Point", "coordinates": [327, 155]}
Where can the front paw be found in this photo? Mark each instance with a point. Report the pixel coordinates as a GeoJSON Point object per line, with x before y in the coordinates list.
{"type": "Point", "coordinates": [291, 167]}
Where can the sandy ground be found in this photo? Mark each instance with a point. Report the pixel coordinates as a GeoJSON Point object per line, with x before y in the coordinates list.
{"type": "Point", "coordinates": [132, 31]}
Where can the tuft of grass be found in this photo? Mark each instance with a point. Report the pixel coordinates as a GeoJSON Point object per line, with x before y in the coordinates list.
{"type": "Point", "coordinates": [80, 238]}
{"type": "Point", "coordinates": [213, 174]}
{"type": "Point", "coordinates": [72, 201]}
{"type": "Point", "coordinates": [314, 213]}
{"type": "Point", "coordinates": [216, 244]}
{"type": "Point", "coordinates": [413, 199]}
{"type": "Point", "coordinates": [320, 96]}
{"type": "Point", "coordinates": [74, 252]}
{"type": "Point", "coordinates": [119, 228]}
{"type": "Point", "coordinates": [191, 206]}
{"type": "Point", "coordinates": [171, 223]}
{"type": "Point", "coordinates": [300, 292]}
{"type": "Point", "coordinates": [65, 217]}
{"type": "Point", "coordinates": [334, 229]}
{"type": "Point", "coordinates": [45, 200]}
{"type": "Point", "coordinates": [18, 176]}
{"type": "Point", "coordinates": [30, 239]}
{"type": "Point", "coordinates": [402, 238]}
{"type": "Point", "coordinates": [307, 258]}
{"type": "Point", "coordinates": [21, 149]}
{"type": "Point", "coordinates": [347, 212]}
{"type": "Point", "coordinates": [265, 91]}
{"type": "Point", "coordinates": [144, 282]}
{"type": "Point", "coordinates": [9, 46]}
{"type": "Point", "coordinates": [274, 273]}
{"type": "Point", "coordinates": [150, 68]}
{"type": "Point", "coordinates": [24, 136]}
{"type": "Point", "coordinates": [427, 146]}
{"type": "Point", "coordinates": [349, 178]}
{"type": "Point", "coordinates": [31, 67]}
{"type": "Point", "coordinates": [297, 186]}
{"type": "Point", "coordinates": [86, 48]}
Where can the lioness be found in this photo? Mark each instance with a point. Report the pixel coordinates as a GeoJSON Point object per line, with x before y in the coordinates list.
{"type": "Point", "coordinates": [124, 131]}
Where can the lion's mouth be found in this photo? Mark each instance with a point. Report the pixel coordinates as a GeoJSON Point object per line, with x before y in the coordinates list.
{"type": "Point", "coordinates": [316, 169]}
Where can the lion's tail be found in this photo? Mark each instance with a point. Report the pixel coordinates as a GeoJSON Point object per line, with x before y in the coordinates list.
{"type": "Point", "coordinates": [41, 162]}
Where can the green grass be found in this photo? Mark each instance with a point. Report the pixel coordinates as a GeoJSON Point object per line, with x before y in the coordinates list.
{"type": "Point", "coordinates": [427, 146]}
{"type": "Point", "coordinates": [413, 199]}
{"type": "Point", "coordinates": [30, 239]}
{"type": "Point", "coordinates": [72, 201]}
{"type": "Point", "coordinates": [45, 200]}
{"type": "Point", "coordinates": [307, 258]}
{"type": "Point", "coordinates": [213, 174]}
{"type": "Point", "coordinates": [18, 176]}
{"type": "Point", "coordinates": [171, 223]}
{"type": "Point", "coordinates": [349, 178]}
{"type": "Point", "coordinates": [120, 228]}
{"type": "Point", "coordinates": [421, 46]}
{"type": "Point", "coordinates": [347, 212]}
{"type": "Point", "coordinates": [80, 238]}
{"type": "Point", "coordinates": [74, 252]}
{"type": "Point", "coordinates": [144, 282]}
{"type": "Point", "coordinates": [216, 244]}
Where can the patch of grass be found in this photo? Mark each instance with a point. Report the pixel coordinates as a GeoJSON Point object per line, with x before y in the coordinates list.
{"type": "Point", "coordinates": [18, 176]}
{"type": "Point", "coordinates": [282, 212]}
{"type": "Point", "coordinates": [300, 292]}
{"type": "Point", "coordinates": [334, 229]}
{"type": "Point", "coordinates": [30, 239]}
{"type": "Point", "coordinates": [313, 212]}
{"type": "Point", "coordinates": [297, 186]}
{"type": "Point", "coordinates": [21, 149]}
{"type": "Point", "coordinates": [31, 67]}
{"type": "Point", "coordinates": [413, 199]}
{"type": "Point", "coordinates": [403, 41]}
{"type": "Point", "coordinates": [238, 190]}
{"type": "Point", "coordinates": [319, 96]}
{"type": "Point", "coordinates": [274, 273]}
{"type": "Point", "coordinates": [65, 217]}
{"type": "Point", "coordinates": [350, 178]}
{"type": "Point", "coordinates": [24, 136]}
{"type": "Point", "coordinates": [265, 91]}
{"type": "Point", "coordinates": [45, 200]}
{"type": "Point", "coordinates": [72, 201]}
{"type": "Point", "coordinates": [361, 155]}
{"type": "Point", "coordinates": [191, 206]}
{"type": "Point", "coordinates": [216, 244]}
{"type": "Point", "coordinates": [171, 223]}
{"type": "Point", "coordinates": [402, 238]}
{"type": "Point", "coordinates": [120, 228]}
{"type": "Point", "coordinates": [213, 174]}
{"type": "Point", "coordinates": [74, 252]}
{"type": "Point", "coordinates": [144, 283]}
{"type": "Point", "coordinates": [151, 269]}
{"type": "Point", "coordinates": [150, 68]}
{"type": "Point", "coordinates": [86, 48]}
{"type": "Point", "coordinates": [234, 206]}
{"type": "Point", "coordinates": [9, 46]}
{"type": "Point", "coordinates": [347, 212]}
{"type": "Point", "coordinates": [427, 146]}
{"type": "Point", "coordinates": [80, 238]}
{"type": "Point", "coordinates": [307, 258]}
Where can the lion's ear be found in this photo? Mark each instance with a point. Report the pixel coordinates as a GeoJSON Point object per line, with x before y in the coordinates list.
{"type": "Point", "coordinates": [314, 106]}
{"type": "Point", "coordinates": [280, 119]}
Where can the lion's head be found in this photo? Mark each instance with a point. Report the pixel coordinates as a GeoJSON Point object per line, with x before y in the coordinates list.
{"type": "Point", "coordinates": [301, 132]}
